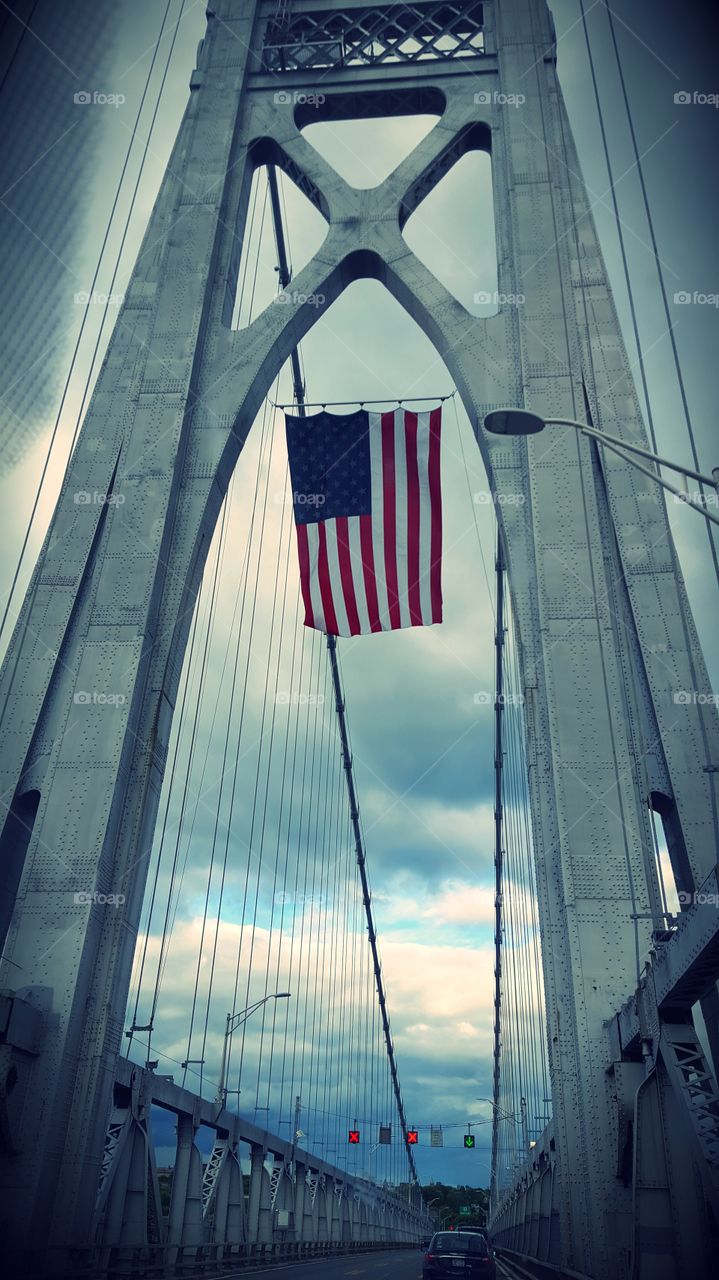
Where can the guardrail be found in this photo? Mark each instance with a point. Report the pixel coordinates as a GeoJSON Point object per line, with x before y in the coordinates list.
{"type": "Point", "coordinates": [523, 1267]}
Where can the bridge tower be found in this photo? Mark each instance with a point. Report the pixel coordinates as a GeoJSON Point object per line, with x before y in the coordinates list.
{"type": "Point", "coordinates": [604, 626]}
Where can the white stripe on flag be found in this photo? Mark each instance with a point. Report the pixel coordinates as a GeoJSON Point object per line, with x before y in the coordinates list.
{"type": "Point", "coordinates": [313, 544]}
{"type": "Point", "coordinates": [400, 516]}
{"type": "Point", "coordinates": [333, 560]}
{"type": "Point", "coordinates": [375, 443]}
{"type": "Point", "coordinates": [353, 525]}
{"type": "Point", "coordinates": [425, 517]}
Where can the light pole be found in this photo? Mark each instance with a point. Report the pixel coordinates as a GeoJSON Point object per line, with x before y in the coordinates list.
{"type": "Point", "coordinates": [504, 1115]}
{"type": "Point", "coordinates": [235, 1020]}
{"type": "Point", "coordinates": [520, 422]}
{"type": "Point", "coordinates": [429, 1203]}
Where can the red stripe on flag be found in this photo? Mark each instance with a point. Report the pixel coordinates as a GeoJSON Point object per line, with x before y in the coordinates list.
{"type": "Point", "coordinates": [303, 550]}
{"type": "Point", "coordinates": [323, 574]}
{"type": "Point", "coordinates": [370, 585]}
{"type": "Point", "coordinates": [389, 494]}
{"type": "Point", "coordinates": [348, 586]}
{"type": "Point", "coordinates": [410, 435]}
{"type": "Point", "coordinates": [435, 502]}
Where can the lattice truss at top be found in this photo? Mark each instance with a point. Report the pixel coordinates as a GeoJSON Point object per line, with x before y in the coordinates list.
{"type": "Point", "coordinates": [376, 34]}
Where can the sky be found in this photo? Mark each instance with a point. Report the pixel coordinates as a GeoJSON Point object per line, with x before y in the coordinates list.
{"type": "Point", "coordinates": [422, 737]}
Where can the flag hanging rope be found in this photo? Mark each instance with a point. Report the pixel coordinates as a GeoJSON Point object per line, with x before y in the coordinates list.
{"type": "Point", "coordinates": [333, 404]}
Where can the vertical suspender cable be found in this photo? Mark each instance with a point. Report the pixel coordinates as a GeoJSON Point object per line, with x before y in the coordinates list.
{"type": "Point", "coordinates": [498, 839]}
{"type": "Point", "coordinates": [299, 392]}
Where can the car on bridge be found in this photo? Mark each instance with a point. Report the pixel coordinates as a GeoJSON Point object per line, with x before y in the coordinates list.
{"type": "Point", "coordinates": [479, 1231]}
{"type": "Point", "coordinates": [458, 1253]}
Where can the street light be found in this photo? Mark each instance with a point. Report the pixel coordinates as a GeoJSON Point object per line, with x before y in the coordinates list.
{"type": "Point", "coordinates": [504, 1115]}
{"type": "Point", "coordinates": [235, 1020]}
{"type": "Point", "coordinates": [520, 422]}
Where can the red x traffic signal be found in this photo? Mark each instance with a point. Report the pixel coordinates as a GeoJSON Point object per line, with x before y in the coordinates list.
{"type": "Point", "coordinates": [412, 1137]}
{"type": "Point", "coordinates": [353, 1137]}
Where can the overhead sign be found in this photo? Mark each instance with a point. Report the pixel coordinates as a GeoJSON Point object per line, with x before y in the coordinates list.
{"type": "Point", "coordinates": [385, 1135]}
{"type": "Point", "coordinates": [436, 1137]}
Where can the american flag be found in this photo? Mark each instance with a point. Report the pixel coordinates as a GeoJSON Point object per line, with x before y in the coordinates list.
{"type": "Point", "coordinates": [368, 510]}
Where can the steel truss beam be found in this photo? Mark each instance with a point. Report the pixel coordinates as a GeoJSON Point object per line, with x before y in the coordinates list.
{"type": "Point", "coordinates": [212, 1219]}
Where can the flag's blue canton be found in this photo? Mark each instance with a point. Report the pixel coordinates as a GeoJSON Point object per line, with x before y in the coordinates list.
{"type": "Point", "coordinates": [329, 457]}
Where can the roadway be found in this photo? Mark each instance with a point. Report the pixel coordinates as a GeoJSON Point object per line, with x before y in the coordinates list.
{"type": "Point", "coordinates": [403, 1264]}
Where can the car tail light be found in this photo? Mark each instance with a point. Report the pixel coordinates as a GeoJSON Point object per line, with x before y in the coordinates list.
{"type": "Point", "coordinates": [430, 1257]}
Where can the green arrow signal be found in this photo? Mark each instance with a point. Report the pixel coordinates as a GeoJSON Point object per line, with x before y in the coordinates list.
{"type": "Point", "coordinates": [469, 1141]}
